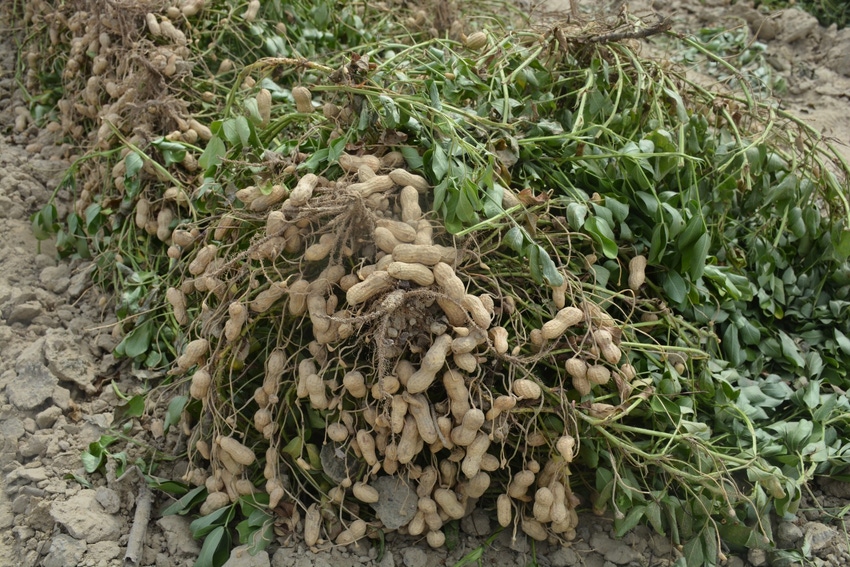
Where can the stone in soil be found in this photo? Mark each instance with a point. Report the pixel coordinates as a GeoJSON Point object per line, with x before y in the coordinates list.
{"type": "Point", "coordinates": [240, 557]}
{"type": "Point", "coordinates": [613, 550]}
{"type": "Point", "coordinates": [63, 551]}
{"type": "Point", "coordinates": [67, 362]}
{"type": "Point", "coordinates": [178, 536]}
{"type": "Point", "coordinates": [84, 518]}
{"type": "Point", "coordinates": [32, 386]}
{"type": "Point", "coordinates": [818, 536]}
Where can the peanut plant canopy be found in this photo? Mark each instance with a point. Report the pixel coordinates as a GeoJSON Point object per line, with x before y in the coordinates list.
{"type": "Point", "coordinates": [381, 266]}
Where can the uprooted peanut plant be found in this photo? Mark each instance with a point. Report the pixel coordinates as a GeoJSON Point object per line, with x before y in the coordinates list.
{"type": "Point", "coordinates": [393, 266]}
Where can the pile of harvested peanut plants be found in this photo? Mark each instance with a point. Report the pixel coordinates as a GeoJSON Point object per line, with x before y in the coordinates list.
{"type": "Point", "coordinates": [394, 364]}
{"type": "Point", "coordinates": [415, 264]}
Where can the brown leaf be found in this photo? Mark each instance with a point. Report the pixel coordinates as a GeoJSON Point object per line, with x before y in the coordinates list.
{"type": "Point", "coordinates": [527, 197]}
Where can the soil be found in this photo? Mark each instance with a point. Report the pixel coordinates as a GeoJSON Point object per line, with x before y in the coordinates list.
{"type": "Point", "coordinates": [56, 370]}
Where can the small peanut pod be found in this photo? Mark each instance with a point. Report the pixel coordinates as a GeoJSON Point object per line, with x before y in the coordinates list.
{"type": "Point", "coordinates": [465, 433]}
{"type": "Point", "coordinates": [201, 380]}
{"type": "Point", "coordinates": [214, 501]}
{"type": "Point", "coordinates": [385, 240]}
{"type": "Point", "coordinates": [277, 194]}
{"type": "Point", "coordinates": [303, 99]}
{"type": "Point", "coordinates": [237, 451]}
{"type": "Point", "coordinates": [321, 249]}
{"type": "Point", "coordinates": [564, 319]}
{"type": "Point", "coordinates": [408, 441]}
{"type": "Point", "coordinates": [404, 178]}
{"type": "Point", "coordinates": [534, 529]}
{"type": "Point", "coordinates": [367, 446]}
{"type": "Point", "coordinates": [377, 184]}
{"type": "Point", "coordinates": [316, 391]}
{"type": "Point", "coordinates": [163, 223]}
{"type": "Point", "coordinates": [628, 372]}
{"type": "Point", "coordinates": [177, 299]}
{"type": "Point", "coordinates": [466, 361]}
{"type": "Point", "coordinates": [598, 374]}
{"type": "Point", "coordinates": [527, 389]}
{"type": "Point", "coordinates": [408, 199]}
{"type": "Point", "coordinates": [264, 106]}
{"type": "Point", "coordinates": [377, 282]}
{"type": "Point", "coordinates": [238, 316]}
{"type": "Point", "coordinates": [195, 352]}
{"type": "Point", "coordinates": [543, 500]}
{"type": "Point", "coordinates": [266, 298]}
{"type": "Point", "coordinates": [500, 405]}
{"type": "Point", "coordinates": [612, 353]}
{"type": "Point", "coordinates": [478, 485]}
{"type": "Point", "coordinates": [153, 27]}
{"type": "Point", "coordinates": [435, 538]}
{"type": "Point", "coordinates": [298, 292]}
{"type": "Point", "coordinates": [402, 231]}
{"type": "Point", "coordinates": [471, 464]}
{"type": "Point", "coordinates": [432, 362]}
{"type": "Point", "coordinates": [637, 272]}
{"type": "Point", "coordinates": [355, 384]}
{"type": "Point", "coordinates": [447, 279]}
{"type": "Point", "coordinates": [356, 530]}
{"type": "Point", "coordinates": [559, 294]}
{"type": "Point", "coordinates": [351, 163]}
{"type": "Point", "coordinates": [448, 502]}
{"type": "Point", "coordinates": [420, 408]}
{"type": "Point", "coordinates": [477, 311]}
{"type": "Point", "coordinates": [303, 190]}
{"type": "Point", "coordinates": [337, 432]}
{"type": "Point", "coordinates": [428, 255]}
{"type": "Point", "coordinates": [566, 445]}
{"type": "Point", "coordinates": [398, 411]}
{"type": "Point", "coordinates": [365, 493]}
{"type": "Point", "coordinates": [558, 512]}
{"type": "Point", "coordinates": [417, 273]}
{"type": "Point", "coordinates": [202, 259]}
{"type": "Point", "coordinates": [457, 392]}
{"type": "Point", "coordinates": [504, 510]}
{"type": "Point", "coordinates": [429, 510]}
{"type": "Point", "coordinates": [499, 336]}
{"type": "Point", "coordinates": [520, 483]}
{"type": "Point", "coordinates": [576, 368]}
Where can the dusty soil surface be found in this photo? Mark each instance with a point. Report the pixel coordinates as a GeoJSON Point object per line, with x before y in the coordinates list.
{"type": "Point", "coordinates": [56, 369]}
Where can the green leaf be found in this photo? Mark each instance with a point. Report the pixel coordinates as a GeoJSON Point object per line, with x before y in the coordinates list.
{"type": "Point", "coordinates": [174, 411]}
{"type": "Point", "coordinates": [137, 341]}
{"type": "Point", "coordinates": [515, 240]}
{"type": "Point", "coordinates": [186, 502]}
{"type": "Point", "coordinates": [206, 524]}
{"type": "Point", "coordinates": [693, 260]}
{"type": "Point", "coordinates": [134, 407]}
{"type": "Point", "coordinates": [133, 163]}
{"type": "Point", "coordinates": [791, 351]}
{"type": "Point", "coordinates": [439, 163]}
{"type": "Point", "coordinates": [551, 275]}
{"type": "Point", "coordinates": [693, 552]}
{"type": "Point", "coordinates": [412, 157]}
{"type": "Point", "coordinates": [92, 462]}
{"type": "Point", "coordinates": [493, 201]}
{"type": "Point", "coordinates": [602, 233]}
{"type": "Point", "coordinates": [213, 154]}
{"type": "Point", "coordinates": [630, 521]}
{"type": "Point", "coordinates": [216, 549]}
{"type": "Point", "coordinates": [675, 287]}
{"type": "Point", "coordinates": [576, 215]}
{"type": "Point", "coordinates": [653, 514]}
